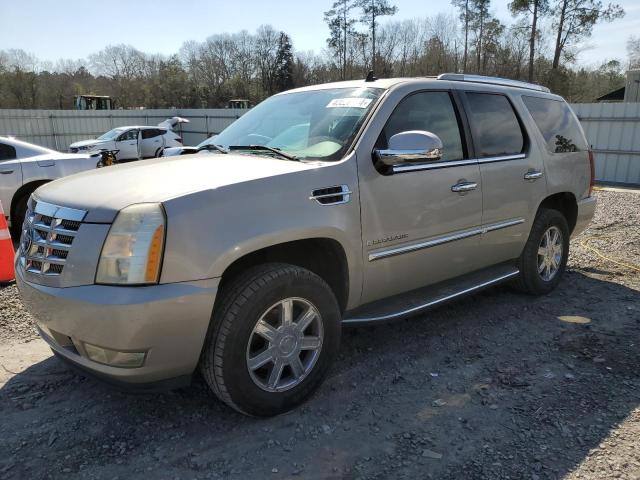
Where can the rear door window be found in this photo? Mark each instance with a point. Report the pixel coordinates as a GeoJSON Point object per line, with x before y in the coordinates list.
{"type": "Point", "coordinates": [150, 133]}
{"type": "Point", "coordinates": [557, 124]}
{"type": "Point", "coordinates": [7, 152]}
{"type": "Point", "coordinates": [495, 126]}
{"type": "Point", "coordinates": [429, 111]}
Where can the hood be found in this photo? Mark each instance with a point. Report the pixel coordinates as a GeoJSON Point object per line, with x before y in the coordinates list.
{"type": "Point", "coordinates": [105, 191]}
{"type": "Point", "coordinates": [172, 151]}
{"type": "Point", "coordinates": [87, 143]}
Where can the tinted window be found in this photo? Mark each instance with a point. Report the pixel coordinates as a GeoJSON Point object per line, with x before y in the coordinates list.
{"type": "Point", "coordinates": [7, 152]}
{"type": "Point", "coordinates": [430, 111]}
{"type": "Point", "coordinates": [557, 124]}
{"type": "Point", "coordinates": [150, 132]}
{"type": "Point", "coordinates": [495, 125]}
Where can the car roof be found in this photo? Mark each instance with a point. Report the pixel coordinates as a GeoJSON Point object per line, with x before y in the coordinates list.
{"type": "Point", "coordinates": [30, 146]}
{"type": "Point", "coordinates": [446, 80]}
{"type": "Point", "coordinates": [138, 126]}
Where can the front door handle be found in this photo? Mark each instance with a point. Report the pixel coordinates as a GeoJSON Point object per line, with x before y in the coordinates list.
{"type": "Point", "coordinates": [464, 187]}
{"type": "Point", "coordinates": [533, 175]}
{"type": "Point", "coordinates": [6, 172]}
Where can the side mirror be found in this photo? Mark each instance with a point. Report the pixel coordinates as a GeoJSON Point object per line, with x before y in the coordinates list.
{"type": "Point", "coordinates": [411, 147]}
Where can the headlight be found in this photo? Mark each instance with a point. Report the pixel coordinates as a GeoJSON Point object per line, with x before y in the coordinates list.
{"type": "Point", "coordinates": [132, 252]}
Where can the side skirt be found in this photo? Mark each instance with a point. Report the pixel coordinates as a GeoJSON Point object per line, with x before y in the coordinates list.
{"type": "Point", "coordinates": [417, 301]}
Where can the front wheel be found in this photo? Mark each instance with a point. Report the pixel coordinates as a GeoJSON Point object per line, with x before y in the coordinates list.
{"type": "Point", "coordinates": [545, 254]}
{"type": "Point", "coordinates": [275, 332]}
{"type": "Point", "coordinates": [17, 218]}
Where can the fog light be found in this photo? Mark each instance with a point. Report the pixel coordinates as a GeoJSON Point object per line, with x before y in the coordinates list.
{"type": "Point", "coordinates": [113, 357]}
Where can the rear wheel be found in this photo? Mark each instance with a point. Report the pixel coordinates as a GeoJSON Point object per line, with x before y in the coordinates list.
{"type": "Point", "coordinates": [545, 254]}
{"type": "Point", "coordinates": [274, 334]}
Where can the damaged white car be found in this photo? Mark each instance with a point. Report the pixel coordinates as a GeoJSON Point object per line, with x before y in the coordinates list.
{"type": "Point", "coordinates": [134, 142]}
{"type": "Point", "coordinates": [25, 166]}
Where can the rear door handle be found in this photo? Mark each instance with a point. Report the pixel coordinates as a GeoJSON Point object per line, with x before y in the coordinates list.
{"type": "Point", "coordinates": [533, 175]}
{"type": "Point", "coordinates": [464, 187]}
{"type": "Point", "coordinates": [6, 172]}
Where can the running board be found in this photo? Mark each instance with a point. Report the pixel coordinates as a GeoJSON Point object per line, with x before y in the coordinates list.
{"type": "Point", "coordinates": [417, 301]}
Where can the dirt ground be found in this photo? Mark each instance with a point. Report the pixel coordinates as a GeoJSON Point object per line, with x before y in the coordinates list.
{"type": "Point", "coordinates": [499, 385]}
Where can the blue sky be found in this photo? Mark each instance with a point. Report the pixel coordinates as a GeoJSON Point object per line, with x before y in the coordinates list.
{"type": "Point", "coordinates": [72, 28]}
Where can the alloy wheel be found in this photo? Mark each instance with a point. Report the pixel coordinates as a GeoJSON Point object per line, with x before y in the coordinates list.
{"type": "Point", "coordinates": [550, 253]}
{"type": "Point", "coordinates": [285, 344]}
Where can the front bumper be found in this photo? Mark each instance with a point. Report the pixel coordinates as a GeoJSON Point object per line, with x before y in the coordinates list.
{"type": "Point", "coordinates": [168, 322]}
{"type": "Point", "coordinates": [586, 210]}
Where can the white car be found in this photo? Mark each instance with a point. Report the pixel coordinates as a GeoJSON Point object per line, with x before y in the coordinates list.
{"type": "Point", "coordinates": [204, 146]}
{"type": "Point", "coordinates": [24, 167]}
{"type": "Point", "coordinates": [134, 142]}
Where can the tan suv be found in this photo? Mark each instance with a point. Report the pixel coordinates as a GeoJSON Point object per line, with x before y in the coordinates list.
{"type": "Point", "coordinates": [347, 203]}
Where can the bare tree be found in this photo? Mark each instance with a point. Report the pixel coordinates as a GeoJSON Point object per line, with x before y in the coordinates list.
{"type": "Point", "coordinates": [536, 9]}
{"type": "Point", "coordinates": [633, 52]}
{"type": "Point", "coordinates": [340, 27]}
{"type": "Point", "coordinates": [465, 17]}
{"type": "Point", "coordinates": [371, 10]}
{"type": "Point", "coordinates": [479, 18]}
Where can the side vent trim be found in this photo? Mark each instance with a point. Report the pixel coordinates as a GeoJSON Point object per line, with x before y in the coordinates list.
{"type": "Point", "coordinates": [332, 195]}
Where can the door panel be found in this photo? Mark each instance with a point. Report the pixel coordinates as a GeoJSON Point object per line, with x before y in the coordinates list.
{"type": "Point", "coordinates": [510, 200]}
{"type": "Point", "coordinates": [127, 144]}
{"type": "Point", "coordinates": [151, 142]}
{"type": "Point", "coordinates": [10, 181]}
{"type": "Point", "coordinates": [416, 230]}
{"type": "Point", "coordinates": [10, 175]}
{"type": "Point", "coordinates": [405, 211]}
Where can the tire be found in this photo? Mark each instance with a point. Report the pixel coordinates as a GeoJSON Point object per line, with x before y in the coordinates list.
{"type": "Point", "coordinates": [531, 280]}
{"type": "Point", "coordinates": [17, 219]}
{"type": "Point", "coordinates": [256, 297]}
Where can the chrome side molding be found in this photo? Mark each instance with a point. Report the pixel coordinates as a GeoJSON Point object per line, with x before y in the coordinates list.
{"type": "Point", "coordinates": [456, 163]}
{"type": "Point", "coordinates": [390, 252]}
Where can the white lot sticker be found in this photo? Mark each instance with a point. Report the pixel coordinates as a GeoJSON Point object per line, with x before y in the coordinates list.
{"type": "Point", "coordinates": [349, 102]}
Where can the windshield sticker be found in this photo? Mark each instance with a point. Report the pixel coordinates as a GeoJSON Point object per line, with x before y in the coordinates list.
{"type": "Point", "coordinates": [351, 102]}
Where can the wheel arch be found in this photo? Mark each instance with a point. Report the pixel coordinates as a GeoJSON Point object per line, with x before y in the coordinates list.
{"type": "Point", "coordinates": [565, 203]}
{"type": "Point", "coordinates": [326, 257]}
{"type": "Point", "coordinates": [25, 189]}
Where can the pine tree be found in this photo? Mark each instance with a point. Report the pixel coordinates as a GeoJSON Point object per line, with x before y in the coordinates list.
{"type": "Point", "coordinates": [284, 63]}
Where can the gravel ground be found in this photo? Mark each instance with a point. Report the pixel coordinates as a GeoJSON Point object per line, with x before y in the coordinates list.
{"type": "Point", "coordinates": [499, 385]}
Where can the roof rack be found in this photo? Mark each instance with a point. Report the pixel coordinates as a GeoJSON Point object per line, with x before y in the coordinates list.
{"type": "Point", "coordinates": [461, 77]}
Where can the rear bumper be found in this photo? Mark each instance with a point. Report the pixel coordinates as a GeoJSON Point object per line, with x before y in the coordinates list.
{"type": "Point", "coordinates": [586, 209]}
{"type": "Point", "coordinates": [167, 322]}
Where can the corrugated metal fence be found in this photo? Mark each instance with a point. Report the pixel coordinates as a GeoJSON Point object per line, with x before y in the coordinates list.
{"type": "Point", "coordinates": [613, 129]}
{"type": "Point", "coordinates": [58, 129]}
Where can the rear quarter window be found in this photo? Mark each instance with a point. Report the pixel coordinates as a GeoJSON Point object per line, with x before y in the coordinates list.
{"type": "Point", "coordinates": [557, 124]}
{"type": "Point", "coordinates": [495, 125]}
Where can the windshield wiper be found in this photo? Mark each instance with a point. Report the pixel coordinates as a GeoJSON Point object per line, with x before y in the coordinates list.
{"type": "Point", "coordinates": [211, 146]}
{"type": "Point", "coordinates": [277, 151]}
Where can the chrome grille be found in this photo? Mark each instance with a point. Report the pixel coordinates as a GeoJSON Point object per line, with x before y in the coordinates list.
{"type": "Point", "coordinates": [47, 237]}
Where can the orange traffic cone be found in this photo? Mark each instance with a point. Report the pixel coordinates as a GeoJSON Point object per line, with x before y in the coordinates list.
{"type": "Point", "coordinates": [7, 273]}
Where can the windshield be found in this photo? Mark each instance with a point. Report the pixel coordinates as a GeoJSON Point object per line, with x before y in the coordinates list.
{"type": "Point", "coordinates": [111, 134]}
{"type": "Point", "coordinates": [316, 124]}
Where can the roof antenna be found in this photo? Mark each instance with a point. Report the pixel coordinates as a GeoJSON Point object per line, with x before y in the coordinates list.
{"type": "Point", "coordinates": [370, 77]}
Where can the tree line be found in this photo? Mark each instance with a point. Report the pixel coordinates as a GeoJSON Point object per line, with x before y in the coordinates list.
{"type": "Point", "coordinates": [541, 44]}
